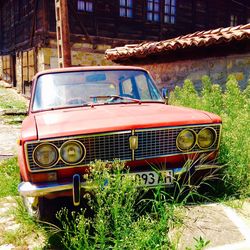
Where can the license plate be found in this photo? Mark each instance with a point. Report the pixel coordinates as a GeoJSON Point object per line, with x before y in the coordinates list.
{"type": "Point", "coordinates": [155, 178]}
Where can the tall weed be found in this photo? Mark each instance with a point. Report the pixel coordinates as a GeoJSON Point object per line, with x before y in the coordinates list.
{"type": "Point", "coordinates": [117, 223]}
{"type": "Point", "coordinates": [234, 107]}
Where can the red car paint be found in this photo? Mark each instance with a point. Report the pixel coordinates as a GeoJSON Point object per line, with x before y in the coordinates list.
{"type": "Point", "coordinates": [93, 119]}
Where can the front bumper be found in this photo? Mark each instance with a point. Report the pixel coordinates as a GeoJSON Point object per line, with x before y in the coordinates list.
{"type": "Point", "coordinates": [28, 189]}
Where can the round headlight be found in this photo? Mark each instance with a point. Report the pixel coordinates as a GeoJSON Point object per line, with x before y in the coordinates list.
{"type": "Point", "coordinates": [45, 155]}
{"type": "Point", "coordinates": [186, 140]}
{"type": "Point", "coordinates": [206, 138]}
{"type": "Point", "coordinates": [72, 152]}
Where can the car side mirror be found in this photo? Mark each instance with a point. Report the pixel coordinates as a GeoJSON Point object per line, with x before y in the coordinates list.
{"type": "Point", "coordinates": [164, 92]}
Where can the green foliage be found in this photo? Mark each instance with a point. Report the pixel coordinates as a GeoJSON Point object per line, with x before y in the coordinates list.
{"type": "Point", "coordinates": [211, 96]}
{"type": "Point", "coordinates": [116, 223]}
{"type": "Point", "coordinates": [200, 243]}
{"type": "Point", "coordinates": [186, 96]}
{"type": "Point", "coordinates": [9, 177]}
{"type": "Point", "coordinates": [234, 107]}
{"type": "Point", "coordinates": [233, 99]}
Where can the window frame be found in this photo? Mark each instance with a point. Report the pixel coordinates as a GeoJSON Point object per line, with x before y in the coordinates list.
{"type": "Point", "coordinates": [152, 11]}
{"type": "Point", "coordinates": [169, 11]}
{"type": "Point", "coordinates": [85, 3]}
{"type": "Point", "coordinates": [127, 8]}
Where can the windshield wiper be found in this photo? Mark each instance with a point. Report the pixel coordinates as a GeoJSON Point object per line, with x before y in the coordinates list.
{"type": "Point", "coordinates": [115, 97]}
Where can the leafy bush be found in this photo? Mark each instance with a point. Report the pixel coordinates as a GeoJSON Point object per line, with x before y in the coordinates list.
{"type": "Point", "coordinates": [117, 222]}
{"type": "Point", "coordinates": [234, 107]}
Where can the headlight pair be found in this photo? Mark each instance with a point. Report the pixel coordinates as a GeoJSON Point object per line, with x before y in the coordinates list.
{"type": "Point", "coordinates": [46, 155]}
{"type": "Point", "coordinates": [188, 138]}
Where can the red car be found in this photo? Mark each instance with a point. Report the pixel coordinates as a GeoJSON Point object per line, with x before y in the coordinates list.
{"type": "Point", "coordinates": [78, 115]}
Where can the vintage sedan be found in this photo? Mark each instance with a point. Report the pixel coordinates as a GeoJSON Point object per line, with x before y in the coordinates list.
{"type": "Point", "coordinates": [79, 115]}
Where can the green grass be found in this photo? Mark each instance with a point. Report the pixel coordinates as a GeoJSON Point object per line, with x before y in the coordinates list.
{"type": "Point", "coordinates": [233, 105]}
{"type": "Point", "coordinates": [26, 233]}
{"type": "Point", "coordinates": [9, 177]}
{"type": "Point", "coordinates": [123, 214]}
{"type": "Point", "coordinates": [118, 221]}
{"type": "Point", "coordinates": [29, 232]}
{"type": "Point", "coordinates": [13, 119]}
{"type": "Point", "coordinates": [9, 100]}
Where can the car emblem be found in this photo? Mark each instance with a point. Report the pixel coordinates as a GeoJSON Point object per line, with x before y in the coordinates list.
{"type": "Point", "coordinates": [133, 142]}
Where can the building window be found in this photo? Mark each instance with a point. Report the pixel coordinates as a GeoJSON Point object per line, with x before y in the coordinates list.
{"type": "Point", "coordinates": [126, 8]}
{"type": "Point", "coordinates": [169, 11]}
{"type": "Point", "coordinates": [233, 20]}
{"type": "Point", "coordinates": [85, 6]}
{"type": "Point", "coordinates": [153, 10]}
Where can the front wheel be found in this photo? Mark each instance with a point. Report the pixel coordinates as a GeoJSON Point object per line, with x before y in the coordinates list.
{"type": "Point", "coordinates": [39, 208]}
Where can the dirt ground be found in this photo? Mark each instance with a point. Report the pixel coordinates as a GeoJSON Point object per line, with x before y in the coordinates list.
{"type": "Point", "coordinates": [8, 139]}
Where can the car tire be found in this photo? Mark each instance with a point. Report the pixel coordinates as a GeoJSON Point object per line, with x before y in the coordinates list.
{"type": "Point", "coordinates": [41, 209]}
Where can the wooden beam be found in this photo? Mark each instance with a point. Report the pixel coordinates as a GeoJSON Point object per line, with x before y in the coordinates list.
{"type": "Point", "coordinates": [63, 33]}
{"type": "Point", "coordinates": [33, 22]}
{"type": "Point", "coordinates": [45, 15]}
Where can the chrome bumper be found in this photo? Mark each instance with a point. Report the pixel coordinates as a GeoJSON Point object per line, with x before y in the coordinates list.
{"type": "Point", "coordinates": [28, 189]}
{"type": "Point", "coordinates": [31, 190]}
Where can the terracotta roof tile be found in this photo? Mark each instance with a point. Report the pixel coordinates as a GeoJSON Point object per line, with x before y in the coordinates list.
{"type": "Point", "coordinates": [197, 39]}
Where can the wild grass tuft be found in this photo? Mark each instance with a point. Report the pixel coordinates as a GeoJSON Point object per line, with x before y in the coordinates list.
{"type": "Point", "coordinates": [124, 215]}
{"type": "Point", "coordinates": [118, 220]}
{"type": "Point", "coordinates": [233, 105]}
{"type": "Point", "coordinates": [9, 177]}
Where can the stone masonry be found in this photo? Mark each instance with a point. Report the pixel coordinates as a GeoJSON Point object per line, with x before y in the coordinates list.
{"type": "Point", "coordinates": [82, 54]}
{"type": "Point", "coordinates": [171, 74]}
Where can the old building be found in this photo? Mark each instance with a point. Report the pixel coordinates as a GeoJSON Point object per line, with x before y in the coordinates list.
{"type": "Point", "coordinates": [216, 53]}
{"type": "Point", "coordinates": [28, 29]}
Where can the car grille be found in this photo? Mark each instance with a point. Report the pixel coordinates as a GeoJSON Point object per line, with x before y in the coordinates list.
{"type": "Point", "coordinates": [162, 142]}
{"type": "Point", "coordinates": [152, 143]}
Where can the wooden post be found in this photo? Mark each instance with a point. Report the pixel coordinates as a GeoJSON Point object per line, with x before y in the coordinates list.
{"type": "Point", "coordinates": [63, 33]}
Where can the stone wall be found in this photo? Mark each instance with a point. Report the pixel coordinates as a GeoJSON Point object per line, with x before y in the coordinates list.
{"type": "Point", "coordinates": [82, 54]}
{"type": "Point", "coordinates": [171, 74]}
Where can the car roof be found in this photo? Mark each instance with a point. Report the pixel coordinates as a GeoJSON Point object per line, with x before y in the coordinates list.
{"type": "Point", "coordinates": [87, 68]}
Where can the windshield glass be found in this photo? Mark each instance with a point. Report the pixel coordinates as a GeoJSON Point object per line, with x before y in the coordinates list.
{"type": "Point", "coordinates": [67, 89]}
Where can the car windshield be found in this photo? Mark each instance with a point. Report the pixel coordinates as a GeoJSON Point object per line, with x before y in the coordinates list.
{"type": "Point", "coordinates": [80, 88]}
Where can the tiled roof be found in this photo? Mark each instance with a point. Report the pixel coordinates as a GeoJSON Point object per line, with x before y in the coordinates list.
{"type": "Point", "coordinates": [197, 39]}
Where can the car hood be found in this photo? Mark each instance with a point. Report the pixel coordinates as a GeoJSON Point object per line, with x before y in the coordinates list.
{"type": "Point", "coordinates": [116, 117]}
